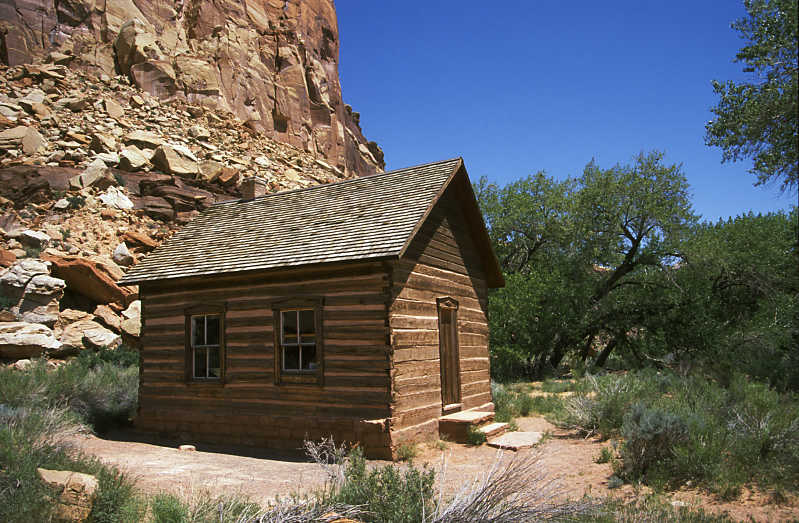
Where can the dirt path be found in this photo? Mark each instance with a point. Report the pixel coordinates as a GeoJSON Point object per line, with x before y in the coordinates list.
{"type": "Point", "coordinates": [567, 459]}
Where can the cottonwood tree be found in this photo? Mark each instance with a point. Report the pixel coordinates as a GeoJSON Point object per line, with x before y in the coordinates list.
{"type": "Point", "coordinates": [758, 119]}
{"type": "Point", "coordinates": [570, 248]}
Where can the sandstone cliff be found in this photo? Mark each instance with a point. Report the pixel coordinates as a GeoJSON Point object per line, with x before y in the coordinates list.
{"type": "Point", "coordinates": [271, 63]}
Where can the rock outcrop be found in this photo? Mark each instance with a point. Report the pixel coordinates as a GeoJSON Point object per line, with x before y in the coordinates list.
{"type": "Point", "coordinates": [273, 64]}
{"type": "Point", "coordinates": [76, 493]}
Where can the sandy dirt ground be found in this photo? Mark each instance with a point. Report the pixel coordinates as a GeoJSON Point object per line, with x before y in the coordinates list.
{"type": "Point", "coordinates": [567, 459]}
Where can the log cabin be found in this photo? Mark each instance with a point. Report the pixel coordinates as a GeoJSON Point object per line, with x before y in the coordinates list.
{"type": "Point", "coordinates": [356, 309]}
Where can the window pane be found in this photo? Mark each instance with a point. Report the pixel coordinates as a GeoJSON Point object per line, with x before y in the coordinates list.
{"type": "Point", "coordinates": [307, 325]}
{"type": "Point", "coordinates": [309, 357]}
{"type": "Point", "coordinates": [200, 365]}
{"type": "Point", "coordinates": [212, 330]}
{"type": "Point", "coordinates": [214, 370]}
{"type": "Point", "coordinates": [289, 326]}
{"type": "Point", "coordinates": [198, 330]}
{"type": "Point", "coordinates": [291, 358]}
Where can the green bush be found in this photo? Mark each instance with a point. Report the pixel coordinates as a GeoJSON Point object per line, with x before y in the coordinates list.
{"type": "Point", "coordinates": [100, 387]}
{"type": "Point", "coordinates": [691, 428]}
{"type": "Point", "coordinates": [650, 436]}
{"type": "Point", "coordinates": [32, 438]}
{"type": "Point", "coordinates": [475, 436]}
{"type": "Point", "coordinates": [389, 493]}
{"type": "Point", "coordinates": [509, 403]}
{"type": "Point", "coordinates": [407, 451]}
{"type": "Point", "coordinates": [168, 508]}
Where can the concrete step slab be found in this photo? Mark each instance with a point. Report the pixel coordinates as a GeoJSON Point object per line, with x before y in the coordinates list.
{"type": "Point", "coordinates": [493, 429]}
{"type": "Point", "coordinates": [472, 417]}
{"type": "Point", "coordinates": [516, 440]}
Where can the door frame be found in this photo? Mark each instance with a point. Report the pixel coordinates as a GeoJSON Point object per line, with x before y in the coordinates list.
{"type": "Point", "coordinates": [449, 352]}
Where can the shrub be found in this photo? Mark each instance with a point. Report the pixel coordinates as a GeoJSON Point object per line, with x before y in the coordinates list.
{"type": "Point", "coordinates": [605, 456]}
{"type": "Point", "coordinates": [475, 436]}
{"type": "Point", "coordinates": [33, 437]}
{"type": "Point", "coordinates": [509, 403]}
{"type": "Point", "coordinates": [77, 201]}
{"type": "Point", "coordinates": [168, 508]}
{"type": "Point", "coordinates": [391, 495]}
{"type": "Point", "coordinates": [407, 451]}
{"type": "Point", "coordinates": [650, 436]}
{"type": "Point", "coordinates": [558, 387]}
{"type": "Point", "coordinates": [101, 388]}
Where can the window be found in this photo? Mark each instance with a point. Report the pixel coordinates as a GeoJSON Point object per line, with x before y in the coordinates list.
{"type": "Point", "coordinates": [298, 341]}
{"type": "Point", "coordinates": [205, 343]}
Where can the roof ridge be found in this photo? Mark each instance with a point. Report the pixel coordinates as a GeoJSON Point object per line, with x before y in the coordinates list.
{"type": "Point", "coordinates": [340, 182]}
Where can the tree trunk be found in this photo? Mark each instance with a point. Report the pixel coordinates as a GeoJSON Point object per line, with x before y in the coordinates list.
{"type": "Point", "coordinates": [603, 356]}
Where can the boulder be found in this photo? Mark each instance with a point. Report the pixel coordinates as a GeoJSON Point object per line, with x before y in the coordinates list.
{"type": "Point", "coordinates": [155, 77]}
{"type": "Point", "coordinates": [116, 199]}
{"type": "Point", "coordinates": [26, 340]}
{"type": "Point", "coordinates": [143, 139]}
{"type": "Point", "coordinates": [209, 170]}
{"type": "Point", "coordinates": [131, 319]}
{"type": "Point", "coordinates": [176, 160]}
{"type": "Point", "coordinates": [103, 143]}
{"type": "Point", "coordinates": [101, 338]}
{"type": "Point", "coordinates": [96, 281]}
{"type": "Point", "coordinates": [122, 255]}
{"type": "Point", "coordinates": [113, 109]}
{"type": "Point", "coordinates": [32, 293]}
{"type": "Point", "coordinates": [37, 239]}
{"type": "Point", "coordinates": [197, 76]}
{"type": "Point", "coordinates": [71, 336]}
{"type": "Point", "coordinates": [26, 138]}
{"type": "Point", "coordinates": [132, 159]}
{"type": "Point", "coordinates": [135, 44]}
{"type": "Point", "coordinates": [97, 174]}
{"type": "Point", "coordinates": [139, 241]}
{"type": "Point", "coordinates": [108, 317]}
{"type": "Point", "coordinates": [7, 258]}
{"type": "Point", "coordinates": [76, 493]}
{"type": "Point", "coordinates": [156, 207]}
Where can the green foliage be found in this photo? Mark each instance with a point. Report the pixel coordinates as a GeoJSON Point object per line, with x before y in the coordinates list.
{"type": "Point", "coordinates": [571, 250]}
{"type": "Point", "coordinates": [66, 234]}
{"type": "Point", "coordinates": [168, 508]}
{"type": "Point", "coordinates": [650, 508]}
{"type": "Point", "coordinates": [100, 388]}
{"type": "Point", "coordinates": [680, 428]}
{"type": "Point", "coordinates": [391, 494]}
{"type": "Point", "coordinates": [509, 403]}
{"type": "Point", "coordinates": [650, 437]}
{"type": "Point", "coordinates": [407, 451]}
{"type": "Point", "coordinates": [558, 386]}
{"type": "Point", "coordinates": [605, 456]}
{"type": "Point", "coordinates": [758, 119]}
{"type": "Point", "coordinates": [32, 438]}
{"type": "Point", "coordinates": [475, 436]}
{"type": "Point", "coordinates": [32, 252]}
{"type": "Point", "coordinates": [76, 201]}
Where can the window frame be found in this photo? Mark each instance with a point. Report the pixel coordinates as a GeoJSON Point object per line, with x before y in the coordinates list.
{"type": "Point", "coordinates": [204, 311]}
{"type": "Point", "coordinates": [309, 377]}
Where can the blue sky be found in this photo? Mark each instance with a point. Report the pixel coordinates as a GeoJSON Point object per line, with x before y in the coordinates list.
{"type": "Point", "coordinates": [518, 87]}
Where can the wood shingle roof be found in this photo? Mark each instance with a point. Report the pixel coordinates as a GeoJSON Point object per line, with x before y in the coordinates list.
{"type": "Point", "coordinates": [365, 218]}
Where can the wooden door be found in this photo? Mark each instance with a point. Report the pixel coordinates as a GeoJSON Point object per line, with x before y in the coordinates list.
{"type": "Point", "coordinates": [448, 351]}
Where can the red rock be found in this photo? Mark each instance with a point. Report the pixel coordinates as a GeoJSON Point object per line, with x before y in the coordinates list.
{"type": "Point", "coordinates": [139, 241]}
{"type": "Point", "coordinates": [90, 278]}
{"type": "Point", "coordinates": [282, 81]}
{"type": "Point", "coordinates": [7, 258]}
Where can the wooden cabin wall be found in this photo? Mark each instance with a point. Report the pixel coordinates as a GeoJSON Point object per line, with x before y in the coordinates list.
{"type": "Point", "coordinates": [441, 261]}
{"type": "Point", "coordinates": [249, 408]}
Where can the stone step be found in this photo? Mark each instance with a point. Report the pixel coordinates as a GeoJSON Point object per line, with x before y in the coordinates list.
{"type": "Point", "coordinates": [493, 429]}
{"type": "Point", "coordinates": [455, 427]}
{"type": "Point", "coordinates": [516, 440]}
{"type": "Point", "coordinates": [452, 407]}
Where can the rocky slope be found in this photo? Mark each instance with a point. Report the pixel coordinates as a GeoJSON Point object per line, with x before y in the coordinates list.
{"type": "Point", "coordinates": [95, 173]}
{"type": "Point", "coordinates": [273, 64]}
